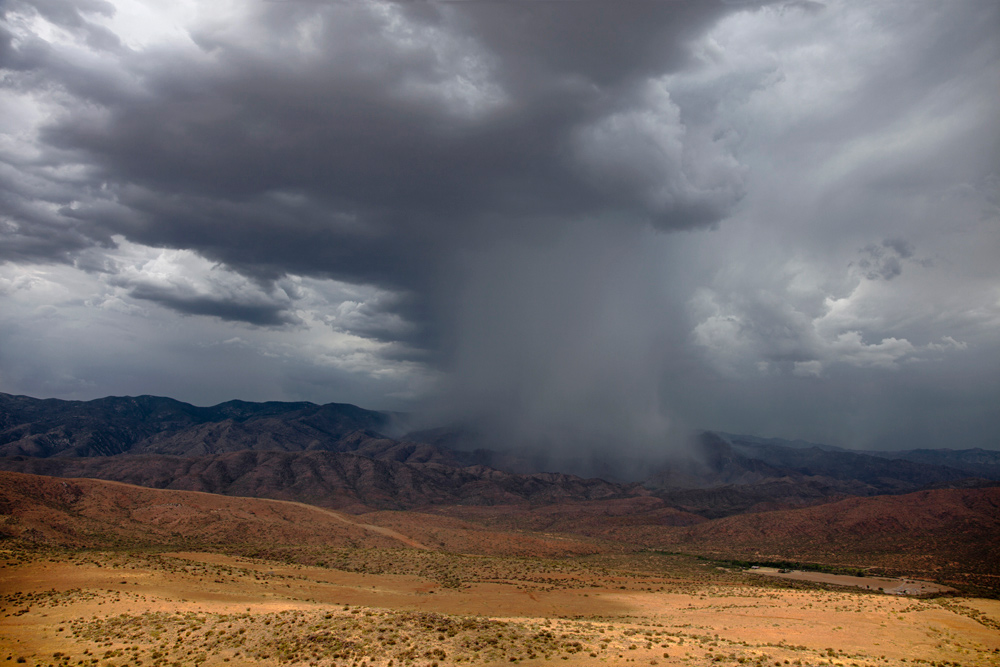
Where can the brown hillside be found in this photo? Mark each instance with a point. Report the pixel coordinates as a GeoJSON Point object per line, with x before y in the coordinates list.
{"type": "Point", "coordinates": [98, 513]}
{"type": "Point", "coordinates": [86, 512]}
{"type": "Point", "coordinates": [962, 522]}
{"type": "Point", "coordinates": [944, 534]}
{"type": "Point", "coordinates": [596, 518]}
{"type": "Point", "coordinates": [467, 537]}
{"type": "Point", "coordinates": [329, 479]}
{"type": "Point", "coordinates": [952, 535]}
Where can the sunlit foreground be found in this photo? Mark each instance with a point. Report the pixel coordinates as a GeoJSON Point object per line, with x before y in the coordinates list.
{"type": "Point", "coordinates": [415, 607]}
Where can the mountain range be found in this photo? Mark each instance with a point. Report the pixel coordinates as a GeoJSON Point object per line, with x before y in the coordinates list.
{"type": "Point", "coordinates": [346, 457]}
{"type": "Point", "coordinates": [727, 496]}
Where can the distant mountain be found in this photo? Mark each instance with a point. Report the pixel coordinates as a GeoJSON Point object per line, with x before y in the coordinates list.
{"type": "Point", "coordinates": [530, 455]}
{"type": "Point", "coordinates": [736, 461]}
{"type": "Point", "coordinates": [152, 424]}
{"type": "Point", "coordinates": [328, 479]}
{"type": "Point", "coordinates": [778, 442]}
{"type": "Point", "coordinates": [978, 462]}
{"type": "Point", "coordinates": [713, 462]}
{"type": "Point", "coordinates": [340, 455]}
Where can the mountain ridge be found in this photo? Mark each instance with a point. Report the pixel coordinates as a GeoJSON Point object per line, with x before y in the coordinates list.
{"type": "Point", "coordinates": [336, 480]}
{"type": "Point", "coordinates": [118, 425]}
{"type": "Point", "coordinates": [341, 455]}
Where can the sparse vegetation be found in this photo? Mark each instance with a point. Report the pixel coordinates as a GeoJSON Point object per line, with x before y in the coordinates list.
{"type": "Point", "coordinates": [362, 596]}
{"type": "Point", "coordinates": [398, 607]}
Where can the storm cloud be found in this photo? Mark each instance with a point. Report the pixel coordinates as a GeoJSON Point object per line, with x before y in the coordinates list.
{"type": "Point", "coordinates": [587, 224]}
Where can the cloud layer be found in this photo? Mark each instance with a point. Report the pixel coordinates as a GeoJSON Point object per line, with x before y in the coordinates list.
{"type": "Point", "coordinates": [595, 223]}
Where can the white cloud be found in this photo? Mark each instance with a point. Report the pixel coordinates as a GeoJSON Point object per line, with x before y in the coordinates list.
{"type": "Point", "coordinates": [763, 332]}
{"type": "Point", "coordinates": [69, 332]}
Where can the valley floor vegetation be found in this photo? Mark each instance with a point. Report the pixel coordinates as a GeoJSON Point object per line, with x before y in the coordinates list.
{"type": "Point", "coordinates": [382, 607]}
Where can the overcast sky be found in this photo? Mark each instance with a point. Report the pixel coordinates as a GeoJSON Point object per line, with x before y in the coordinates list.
{"type": "Point", "coordinates": [603, 221]}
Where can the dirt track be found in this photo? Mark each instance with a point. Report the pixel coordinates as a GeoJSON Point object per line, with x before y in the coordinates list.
{"type": "Point", "coordinates": [339, 516]}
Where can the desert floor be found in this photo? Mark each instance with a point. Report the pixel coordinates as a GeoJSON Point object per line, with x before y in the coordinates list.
{"type": "Point", "coordinates": [413, 607]}
{"type": "Point", "coordinates": [897, 585]}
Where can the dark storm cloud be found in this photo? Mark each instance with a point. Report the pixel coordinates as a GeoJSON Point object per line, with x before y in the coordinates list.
{"type": "Point", "coordinates": [479, 191]}
{"type": "Point", "coordinates": [600, 44]}
{"type": "Point", "coordinates": [362, 157]}
{"type": "Point", "coordinates": [393, 145]}
{"type": "Point", "coordinates": [261, 313]}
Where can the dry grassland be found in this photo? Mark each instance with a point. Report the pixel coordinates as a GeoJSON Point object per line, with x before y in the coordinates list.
{"type": "Point", "coordinates": [405, 606]}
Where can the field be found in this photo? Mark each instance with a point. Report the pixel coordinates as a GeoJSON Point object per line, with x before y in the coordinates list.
{"type": "Point", "coordinates": [405, 606]}
{"type": "Point", "coordinates": [103, 573]}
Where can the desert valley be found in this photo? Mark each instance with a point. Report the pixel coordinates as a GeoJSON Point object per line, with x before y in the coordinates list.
{"type": "Point", "coordinates": [149, 532]}
{"type": "Point", "coordinates": [441, 333]}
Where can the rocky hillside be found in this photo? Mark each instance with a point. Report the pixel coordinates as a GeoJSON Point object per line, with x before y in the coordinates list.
{"type": "Point", "coordinates": [101, 514]}
{"type": "Point", "coordinates": [329, 479]}
{"type": "Point", "coordinates": [343, 456]}
{"type": "Point", "coordinates": [85, 512]}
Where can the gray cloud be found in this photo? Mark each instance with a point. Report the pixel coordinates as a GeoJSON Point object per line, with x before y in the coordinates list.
{"type": "Point", "coordinates": [589, 222]}
{"type": "Point", "coordinates": [400, 138]}
{"type": "Point", "coordinates": [885, 261]}
{"type": "Point", "coordinates": [261, 313]}
{"type": "Point", "coordinates": [398, 135]}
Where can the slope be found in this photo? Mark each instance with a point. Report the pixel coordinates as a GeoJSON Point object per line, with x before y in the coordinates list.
{"type": "Point", "coordinates": [328, 479]}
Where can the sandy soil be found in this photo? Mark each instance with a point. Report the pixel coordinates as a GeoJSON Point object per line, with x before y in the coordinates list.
{"type": "Point", "coordinates": [411, 607]}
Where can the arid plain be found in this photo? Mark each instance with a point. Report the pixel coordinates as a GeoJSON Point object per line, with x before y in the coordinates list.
{"type": "Point", "coordinates": [101, 573]}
